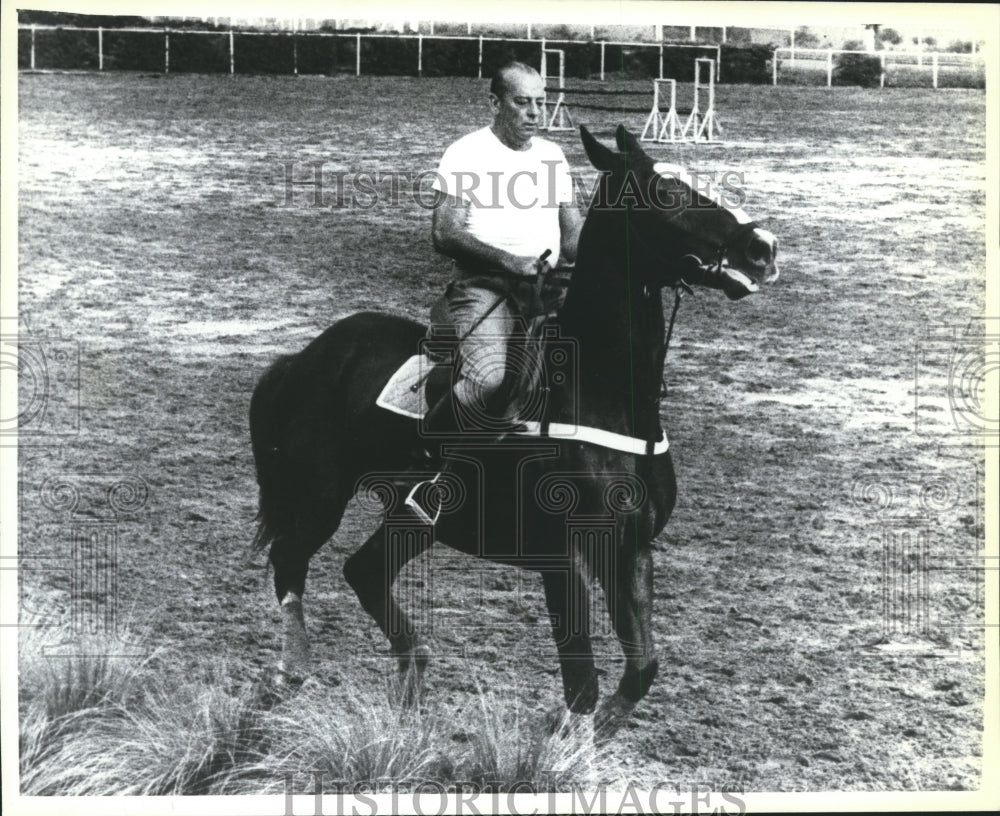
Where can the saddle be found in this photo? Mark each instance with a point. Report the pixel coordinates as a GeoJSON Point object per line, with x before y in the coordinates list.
{"type": "Point", "coordinates": [424, 378]}
{"type": "Point", "coordinates": [535, 301]}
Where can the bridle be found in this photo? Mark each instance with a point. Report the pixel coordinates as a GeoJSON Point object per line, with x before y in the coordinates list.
{"type": "Point", "coordinates": [691, 266]}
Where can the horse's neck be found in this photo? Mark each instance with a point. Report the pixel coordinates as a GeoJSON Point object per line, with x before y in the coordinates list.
{"type": "Point", "coordinates": [618, 327]}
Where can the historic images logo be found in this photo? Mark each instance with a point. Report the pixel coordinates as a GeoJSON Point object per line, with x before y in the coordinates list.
{"type": "Point", "coordinates": [957, 374]}
{"type": "Point", "coordinates": [47, 368]}
{"type": "Point", "coordinates": [88, 512]}
{"type": "Point", "coordinates": [932, 565]}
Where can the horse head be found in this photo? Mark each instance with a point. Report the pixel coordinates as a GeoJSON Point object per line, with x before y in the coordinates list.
{"type": "Point", "coordinates": [678, 229]}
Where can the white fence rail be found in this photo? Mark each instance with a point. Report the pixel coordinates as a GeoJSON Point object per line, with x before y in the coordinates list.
{"type": "Point", "coordinates": [825, 59]}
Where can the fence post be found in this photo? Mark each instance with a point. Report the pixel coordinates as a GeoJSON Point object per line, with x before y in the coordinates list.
{"type": "Point", "coordinates": [232, 54]}
{"type": "Point", "coordinates": [295, 55]}
{"type": "Point", "coordinates": [881, 79]}
{"type": "Point", "coordinates": [829, 68]}
{"type": "Point", "coordinates": [602, 60]}
{"type": "Point", "coordinates": [32, 48]}
{"type": "Point", "coordinates": [774, 68]}
{"type": "Point", "coordinates": [420, 54]}
{"type": "Point", "coordinates": [100, 48]}
{"type": "Point", "coordinates": [480, 74]}
{"type": "Point", "coordinates": [357, 56]}
{"type": "Point", "coordinates": [661, 61]}
{"type": "Point", "coordinates": [166, 51]}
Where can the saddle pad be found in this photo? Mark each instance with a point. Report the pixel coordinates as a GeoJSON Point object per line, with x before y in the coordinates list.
{"type": "Point", "coordinates": [397, 395]}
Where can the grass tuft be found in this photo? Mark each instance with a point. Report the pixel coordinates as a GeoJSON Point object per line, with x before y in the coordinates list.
{"type": "Point", "coordinates": [93, 724]}
{"type": "Point", "coordinates": [510, 749]}
{"type": "Point", "coordinates": [355, 736]}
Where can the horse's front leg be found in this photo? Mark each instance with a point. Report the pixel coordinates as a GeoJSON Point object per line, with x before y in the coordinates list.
{"type": "Point", "coordinates": [567, 595]}
{"type": "Point", "coordinates": [371, 572]}
{"type": "Point", "coordinates": [629, 594]}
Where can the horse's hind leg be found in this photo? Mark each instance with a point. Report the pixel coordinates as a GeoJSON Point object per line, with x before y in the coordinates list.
{"type": "Point", "coordinates": [371, 572]}
{"type": "Point", "coordinates": [628, 590]}
{"type": "Point", "coordinates": [289, 555]}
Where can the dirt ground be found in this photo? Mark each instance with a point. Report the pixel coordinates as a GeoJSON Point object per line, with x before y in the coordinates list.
{"type": "Point", "coordinates": [819, 590]}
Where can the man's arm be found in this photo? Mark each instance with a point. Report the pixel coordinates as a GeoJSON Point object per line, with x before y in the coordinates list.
{"type": "Point", "coordinates": [570, 223]}
{"type": "Point", "coordinates": [451, 238]}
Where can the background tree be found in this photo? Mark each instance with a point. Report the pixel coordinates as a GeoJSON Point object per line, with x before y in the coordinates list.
{"type": "Point", "coordinates": [804, 38]}
{"type": "Point", "coordinates": [890, 35]}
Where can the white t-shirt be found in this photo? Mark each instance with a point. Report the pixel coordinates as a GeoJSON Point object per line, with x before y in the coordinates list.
{"type": "Point", "coordinates": [514, 195]}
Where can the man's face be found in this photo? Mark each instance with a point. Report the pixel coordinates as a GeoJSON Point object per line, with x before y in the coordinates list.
{"type": "Point", "coordinates": [516, 115]}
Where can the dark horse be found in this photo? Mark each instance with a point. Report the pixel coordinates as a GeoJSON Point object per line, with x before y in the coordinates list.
{"type": "Point", "coordinates": [566, 508]}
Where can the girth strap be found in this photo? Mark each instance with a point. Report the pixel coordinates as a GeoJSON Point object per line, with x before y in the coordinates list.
{"type": "Point", "coordinates": [595, 436]}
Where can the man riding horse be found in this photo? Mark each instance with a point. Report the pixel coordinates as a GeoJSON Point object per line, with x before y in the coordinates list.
{"type": "Point", "coordinates": [506, 201]}
{"type": "Point", "coordinates": [583, 489]}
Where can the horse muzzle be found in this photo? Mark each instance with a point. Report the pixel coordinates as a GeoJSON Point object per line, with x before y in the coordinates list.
{"type": "Point", "coordinates": [761, 252]}
{"type": "Point", "coordinates": [757, 266]}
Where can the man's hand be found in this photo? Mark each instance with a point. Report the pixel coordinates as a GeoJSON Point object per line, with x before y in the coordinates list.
{"type": "Point", "coordinates": [526, 266]}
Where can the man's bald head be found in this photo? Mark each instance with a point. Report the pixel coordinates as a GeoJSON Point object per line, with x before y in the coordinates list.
{"type": "Point", "coordinates": [517, 98]}
{"type": "Point", "coordinates": [506, 76]}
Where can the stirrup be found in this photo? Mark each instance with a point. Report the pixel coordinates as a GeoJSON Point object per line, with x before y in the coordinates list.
{"type": "Point", "coordinates": [414, 505]}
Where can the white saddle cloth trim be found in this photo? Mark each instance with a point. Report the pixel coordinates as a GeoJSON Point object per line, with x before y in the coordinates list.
{"type": "Point", "coordinates": [398, 397]}
{"type": "Point", "coordinates": [595, 436]}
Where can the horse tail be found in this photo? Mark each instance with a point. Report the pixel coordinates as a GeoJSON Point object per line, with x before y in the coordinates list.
{"type": "Point", "coordinates": [269, 458]}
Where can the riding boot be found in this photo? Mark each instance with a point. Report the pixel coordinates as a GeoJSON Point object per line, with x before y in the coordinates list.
{"type": "Point", "coordinates": [442, 419]}
{"type": "Point", "coordinates": [439, 424]}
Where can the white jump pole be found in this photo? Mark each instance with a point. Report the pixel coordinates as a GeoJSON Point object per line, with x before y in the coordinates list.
{"type": "Point", "coordinates": [560, 115]}
{"type": "Point", "coordinates": [668, 130]}
{"type": "Point", "coordinates": [702, 125]}
{"type": "Point", "coordinates": [100, 48]}
{"type": "Point", "coordinates": [653, 120]}
{"type": "Point", "coordinates": [662, 127]}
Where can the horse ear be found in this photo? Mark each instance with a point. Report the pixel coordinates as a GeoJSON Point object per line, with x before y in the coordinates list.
{"type": "Point", "coordinates": [600, 156]}
{"type": "Point", "coordinates": [627, 143]}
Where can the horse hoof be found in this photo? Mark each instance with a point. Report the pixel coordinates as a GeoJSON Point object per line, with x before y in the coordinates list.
{"type": "Point", "coordinates": [555, 718]}
{"type": "Point", "coordinates": [290, 679]}
{"type": "Point", "coordinates": [415, 660]}
{"type": "Point", "coordinates": [562, 723]}
{"type": "Point", "coordinates": [285, 680]}
{"type": "Point", "coordinates": [610, 716]}
{"type": "Point", "coordinates": [266, 693]}
{"type": "Point", "coordinates": [411, 675]}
